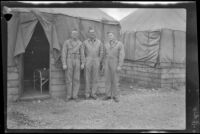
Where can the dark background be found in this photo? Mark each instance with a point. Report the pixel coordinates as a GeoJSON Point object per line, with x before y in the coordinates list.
{"type": "Point", "coordinates": [192, 72]}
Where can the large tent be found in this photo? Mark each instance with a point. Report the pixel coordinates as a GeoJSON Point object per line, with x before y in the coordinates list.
{"type": "Point", "coordinates": [57, 24]}
{"type": "Point", "coordinates": [155, 36]}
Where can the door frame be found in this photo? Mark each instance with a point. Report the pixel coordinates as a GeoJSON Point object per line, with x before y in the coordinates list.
{"type": "Point", "coordinates": [21, 69]}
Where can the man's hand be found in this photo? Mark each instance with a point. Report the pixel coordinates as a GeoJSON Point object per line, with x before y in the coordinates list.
{"type": "Point", "coordinates": [64, 67]}
{"type": "Point", "coordinates": [82, 66]}
{"type": "Point", "coordinates": [118, 68]}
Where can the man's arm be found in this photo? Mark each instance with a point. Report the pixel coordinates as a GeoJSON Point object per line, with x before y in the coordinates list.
{"type": "Point", "coordinates": [64, 54]}
{"type": "Point", "coordinates": [101, 51]}
{"type": "Point", "coordinates": [82, 53]}
{"type": "Point", "coordinates": [121, 55]}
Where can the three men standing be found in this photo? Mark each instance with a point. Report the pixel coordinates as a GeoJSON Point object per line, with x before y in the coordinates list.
{"type": "Point", "coordinates": [90, 54]}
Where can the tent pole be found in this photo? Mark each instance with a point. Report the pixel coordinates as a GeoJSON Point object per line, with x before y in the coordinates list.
{"type": "Point", "coordinates": [79, 27]}
{"type": "Point", "coordinates": [21, 74]}
{"type": "Point", "coordinates": [102, 32]}
{"type": "Point", "coordinates": [159, 48]}
{"type": "Point", "coordinates": [134, 45]}
{"type": "Point", "coordinates": [173, 36]}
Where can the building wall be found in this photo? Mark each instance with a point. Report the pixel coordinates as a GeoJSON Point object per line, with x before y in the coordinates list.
{"type": "Point", "coordinates": [13, 83]}
{"type": "Point", "coordinates": [158, 77]}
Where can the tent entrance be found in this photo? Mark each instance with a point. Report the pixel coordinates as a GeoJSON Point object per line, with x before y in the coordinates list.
{"type": "Point", "coordinates": [36, 65]}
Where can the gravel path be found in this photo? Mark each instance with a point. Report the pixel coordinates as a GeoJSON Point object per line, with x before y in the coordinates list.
{"type": "Point", "coordinates": [138, 108]}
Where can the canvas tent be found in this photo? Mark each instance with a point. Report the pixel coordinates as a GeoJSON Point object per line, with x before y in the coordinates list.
{"type": "Point", "coordinates": [155, 36]}
{"type": "Point", "coordinates": [57, 24]}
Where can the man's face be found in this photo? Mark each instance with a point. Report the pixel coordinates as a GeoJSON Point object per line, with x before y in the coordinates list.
{"type": "Point", "coordinates": [111, 36]}
{"type": "Point", "coordinates": [74, 34]}
{"type": "Point", "coordinates": [92, 34]}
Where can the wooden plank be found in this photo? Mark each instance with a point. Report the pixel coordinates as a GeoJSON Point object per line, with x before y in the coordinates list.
{"type": "Point", "coordinates": [166, 70]}
{"type": "Point", "coordinates": [13, 91]}
{"type": "Point", "coordinates": [167, 75]}
{"type": "Point", "coordinates": [12, 69]}
{"type": "Point", "coordinates": [179, 84]}
{"type": "Point", "coordinates": [143, 77]}
{"type": "Point", "coordinates": [57, 74]}
{"type": "Point", "coordinates": [167, 81]}
{"type": "Point", "coordinates": [53, 67]}
{"type": "Point", "coordinates": [101, 90]}
{"type": "Point", "coordinates": [176, 80]}
{"type": "Point", "coordinates": [12, 98]}
{"type": "Point", "coordinates": [58, 94]}
{"type": "Point", "coordinates": [173, 70]}
{"type": "Point", "coordinates": [166, 85]}
{"type": "Point", "coordinates": [55, 81]}
{"type": "Point", "coordinates": [183, 75]}
{"type": "Point", "coordinates": [58, 88]}
{"type": "Point", "coordinates": [145, 74]}
{"type": "Point", "coordinates": [12, 76]}
{"type": "Point", "coordinates": [12, 83]}
{"type": "Point", "coordinates": [146, 70]}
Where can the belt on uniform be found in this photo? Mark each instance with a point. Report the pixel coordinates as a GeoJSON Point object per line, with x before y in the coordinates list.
{"type": "Point", "coordinates": [111, 57]}
{"type": "Point", "coordinates": [74, 56]}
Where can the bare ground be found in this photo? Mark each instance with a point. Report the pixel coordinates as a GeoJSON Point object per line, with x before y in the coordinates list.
{"type": "Point", "coordinates": [139, 108]}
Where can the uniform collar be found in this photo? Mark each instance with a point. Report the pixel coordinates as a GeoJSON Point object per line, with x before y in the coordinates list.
{"type": "Point", "coordinates": [93, 40]}
{"type": "Point", "coordinates": [74, 40]}
{"type": "Point", "coordinates": [113, 43]}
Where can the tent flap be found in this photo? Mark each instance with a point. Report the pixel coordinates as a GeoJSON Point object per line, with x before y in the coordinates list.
{"type": "Point", "coordinates": [165, 46]}
{"type": "Point", "coordinates": [13, 25]}
{"type": "Point", "coordinates": [147, 45]}
{"type": "Point", "coordinates": [26, 29]}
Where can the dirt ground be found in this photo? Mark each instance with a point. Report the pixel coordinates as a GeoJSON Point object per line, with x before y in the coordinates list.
{"type": "Point", "coordinates": [139, 108]}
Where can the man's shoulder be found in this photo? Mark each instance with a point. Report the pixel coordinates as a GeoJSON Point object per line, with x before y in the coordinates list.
{"type": "Point", "coordinates": [120, 43]}
{"type": "Point", "coordinates": [99, 41]}
{"type": "Point", "coordinates": [86, 41]}
{"type": "Point", "coordinates": [67, 41]}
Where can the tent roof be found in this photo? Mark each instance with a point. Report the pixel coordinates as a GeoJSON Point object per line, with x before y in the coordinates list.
{"type": "Point", "coordinates": [84, 13]}
{"type": "Point", "coordinates": [154, 19]}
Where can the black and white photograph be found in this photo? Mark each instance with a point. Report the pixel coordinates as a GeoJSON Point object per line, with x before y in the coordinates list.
{"type": "Point", "coordinates": [96, 68]}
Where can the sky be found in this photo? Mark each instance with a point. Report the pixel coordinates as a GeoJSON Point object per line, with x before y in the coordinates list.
{"type": "Point", "coordinates": [118, 13]}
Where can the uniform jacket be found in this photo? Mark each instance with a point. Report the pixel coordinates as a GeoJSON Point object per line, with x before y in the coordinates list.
{"type": "Point", "coordinates": [93, 49]}
{"type": "Point", "coordinates": [114, 51]}
{"type": "Point", "coordinates": [72, 48]}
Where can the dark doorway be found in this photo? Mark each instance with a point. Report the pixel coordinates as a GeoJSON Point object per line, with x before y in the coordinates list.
{"type": "Point", "coordinates": [36, 62]}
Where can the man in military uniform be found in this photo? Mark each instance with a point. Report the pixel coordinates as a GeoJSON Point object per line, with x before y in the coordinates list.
{"type": "Point", "coordinates": [72, 57]}
{"type": "Point", "coordinates": [93, 49]}
{"type": "Point", "coordinates": [113, 60]}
